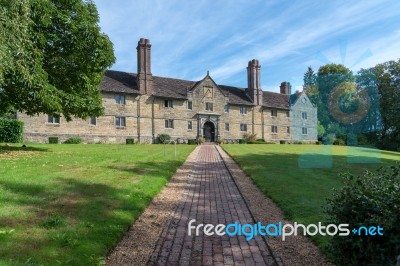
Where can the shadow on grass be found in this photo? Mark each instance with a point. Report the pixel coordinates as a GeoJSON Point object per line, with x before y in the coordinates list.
{"type": "Point", "coordinates": [97, 215]}
{"type": "Point", "coordinates": [14, 148]}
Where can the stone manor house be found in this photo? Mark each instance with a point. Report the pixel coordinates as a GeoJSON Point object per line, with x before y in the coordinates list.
{"type": "Point", "coordinates": [142, 106]}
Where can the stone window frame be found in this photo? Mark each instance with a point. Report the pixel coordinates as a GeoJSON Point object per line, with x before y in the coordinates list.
{"type": "Point", "coordinates": [168, 104]}
{"type": "Point", "coordinates": [226, 108]}
{"type": "Point", "coordinates": [190, 125]}
{"type": "Point", "coordinates": [169, 123]}
{"type": "Point", "coordinates": [91, 119]}
{"type": "Point", "coordinates": [274, 129]}
{"type": "Point", "coordinates": [120, 121]}
{"type": "Point", "coordinates": [243, 110]}
{"type": "Point", "coordinates": [208, 105]}
{"type": "Point", "coordinates": [274, 113]}
{"type": "Point", "coordinates": [190, 105]}
{"type": "Point", "coordinates": [120, 99]}
{"type": "Point", "coordinates": [227, 127]}
{"type": "Point", "coordinates": [288, 130]}
{"type": "Point", "coordinates": [304, 115]}
{"type": "Point", "coordinates": [304, 131]}
{"type": "Point", "coordinates": [53, 120]}
{"type": "Point", "coordinates": [243, 127]}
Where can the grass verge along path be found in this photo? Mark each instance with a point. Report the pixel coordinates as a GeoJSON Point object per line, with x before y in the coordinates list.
{"type": "Point", "coordinates": [281, 172]}
{"type": "Point", "coordinates": [71, 204]}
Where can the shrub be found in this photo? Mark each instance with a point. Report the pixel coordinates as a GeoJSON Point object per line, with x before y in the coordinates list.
{"type": "Point", "coordinates": [340, 142]}
{"type": "Point", "coordinates": [318, 143]}
{"type": "Point", "coordinates": [371, 199]}
{"type": "Point", "coordinates": [282, 141]}
{"type": "Point", "coordinates": [192, 142]}
{"type": "Point", "coordinates": [53, 140]}
{"type": "Point", "coordinates": [249, 137]}
{"type": "Point", "coordinates": [201, 140]}
{"type": "Point", "coordinates": [220, 141]}
{"type": "Point", "coordinates": [162, 138]}
{"type": "Point", "coordinates": [11, 130]}
{"type": "Point", "coordinates": [130, 141]}
{"type": "Point", "coordinates": [261, 140]}
{"type": "Point", "coordinates": [298, 142]}
{"type": "Point", "coordinates": [73, 140]}
{"type": "Point", "coordinates": [242, 141]}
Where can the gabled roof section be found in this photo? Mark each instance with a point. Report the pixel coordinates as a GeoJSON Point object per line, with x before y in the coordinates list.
{"type": "Point", "coordinates": [275, 100]}
{"type": "Point", "coordinates": [236, 95]}
{"type": "Point", "coordinates": [171, 88]}
{"type": "Point", "coordinates": [119, 82]}
{"type": "Point", "coordinates": [295, 96]}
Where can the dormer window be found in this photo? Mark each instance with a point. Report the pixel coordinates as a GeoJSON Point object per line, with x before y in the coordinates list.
{"type": "Point", "coordinates": [274, 113]}
{"type": "Point", "coordinates": [168, 104]}
{"type": "Point", "coordinates": [226, 108]}
{"type": "Point", "coordinates": [120, 99]}
{"type": "Point", "coordinates": [189, 105]}
{"type": "Point", "coordinates": [243, 110]}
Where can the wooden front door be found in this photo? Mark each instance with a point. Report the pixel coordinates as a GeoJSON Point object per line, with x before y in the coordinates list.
{"type": "Point", "coordinates": [209, 132]}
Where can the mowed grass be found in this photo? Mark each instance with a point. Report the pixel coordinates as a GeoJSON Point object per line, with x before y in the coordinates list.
{"type": "Point", "coordinates": [299, 178]}
{"type": "Point", "coordinates": [71, 204]}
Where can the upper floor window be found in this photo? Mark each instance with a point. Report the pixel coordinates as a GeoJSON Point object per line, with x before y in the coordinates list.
{"type": "Point", "coordinates": [190, 105]}
{"type": "Point", "coordinates": [168, 104]}
{"type": "Point", "coordinates": [243, 127]}
{"type": "Point", "coordinates": [120, 121]}
{"type": "Point", "coordinates": [169, 123]}
{"type": "Point", "coordinates": [226, 108]}
{"type": "Point", "coordinates": [274, 129]}
{"type": "Point", "coordinates": [92, 121]}
{"type": "Point", "coordinates": [304, 131]}
{"type": "Point", "coordinates": [190, 125]}
{"type": "Point", "coordinates": [209, 107]}
{"type": "Point", "coordinates": [288, 130]}
{"type": "Point", "coordinates": [287, 113]}
{"type": "Point", "coordinates": [304, 115]}
{"type": "Point", "coordinates": [274, 113]}
{"type": "Point", "coordinates": [53, 119]}
{"type": "Point", "coordinates": [120, 99]}
{"type": "Point", "coordinates": [243, 110]}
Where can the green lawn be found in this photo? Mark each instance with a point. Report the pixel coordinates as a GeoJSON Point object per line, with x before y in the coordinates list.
{"type": "Point", "coordinates": [283, 173]}
{"type": "Point", "coordinates": [70, 204]}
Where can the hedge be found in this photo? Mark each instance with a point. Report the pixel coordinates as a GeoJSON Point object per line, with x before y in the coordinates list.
{"type": "Point", "coordinates": [11, 130]}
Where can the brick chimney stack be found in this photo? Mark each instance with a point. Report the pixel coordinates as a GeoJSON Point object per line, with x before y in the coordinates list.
{"type": "Point", "coordinates": [253, 82]}
{"type": "Point", "coordinates": [144, 76]}
{"type": "Point", "coordinates": [286, 88]}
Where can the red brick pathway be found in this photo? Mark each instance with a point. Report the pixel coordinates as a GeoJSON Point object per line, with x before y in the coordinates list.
{"type": "Point", "coordinates": [211, 197]}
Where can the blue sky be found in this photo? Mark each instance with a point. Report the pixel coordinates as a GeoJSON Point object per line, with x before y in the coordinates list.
{"type": "Point", "coordinates": [190, 37]}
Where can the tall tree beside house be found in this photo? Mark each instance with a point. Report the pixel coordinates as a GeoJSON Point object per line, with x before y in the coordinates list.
{"type": "Point", "coordinates": [310, 85]}
{"type": "Point", "coordinates": [55, 59]}
{"type": "Point", "coordinates": [388, 83]}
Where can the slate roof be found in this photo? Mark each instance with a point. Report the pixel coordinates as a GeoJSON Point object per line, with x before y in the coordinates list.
{"type": "Point", "coordinates": [275, 100]}
{"type": "Point", "coordinates": [123, 82]}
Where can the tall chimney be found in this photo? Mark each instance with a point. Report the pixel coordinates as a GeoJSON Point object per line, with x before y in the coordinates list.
{"type": "Point", "coordinates": [144, 76]}
{"type": "Point", "coordinates": [253, 82]}
{"type": "Point", "coordinates": [286, 88]}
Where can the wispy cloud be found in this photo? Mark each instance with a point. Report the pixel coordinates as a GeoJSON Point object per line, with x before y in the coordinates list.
{"type": "Point", "coordinates": [191, 37]}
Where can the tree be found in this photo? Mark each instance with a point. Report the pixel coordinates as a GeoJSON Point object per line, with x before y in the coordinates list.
{"type": "Point", "coordinates": [310, 85]}
{"type": "Point", "coordinates": [54, 57]}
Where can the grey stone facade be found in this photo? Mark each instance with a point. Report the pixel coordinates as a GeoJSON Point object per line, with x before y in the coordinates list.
{"type": "Point", "coordinates": [183, 109]}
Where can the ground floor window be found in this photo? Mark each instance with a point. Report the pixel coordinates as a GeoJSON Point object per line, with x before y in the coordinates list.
{"type": "Point", "coordinates": [226, 126]}
{"type": "Point", "coordinates": [274, 129]}
{"type": "Point", "coordinates": [92, 121]}
{"type": "Point", "coordinates": [53, 119]}
{"type": "Point", "coordinates": [304, 131]}
{"type": "Point", "coordinates": [243, 127]}
{"type": "Point", "coordinates": [190, 125]}
{"type": "Point", "coordinates": [120, 121]}
{"type": "Point", "coordinates": [169, 123]}
{"type": "Point", "coordinates": [288, 130]}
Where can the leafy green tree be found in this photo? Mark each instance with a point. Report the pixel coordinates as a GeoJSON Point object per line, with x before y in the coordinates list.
{"type": "Point", "coordinates": [52, 58]}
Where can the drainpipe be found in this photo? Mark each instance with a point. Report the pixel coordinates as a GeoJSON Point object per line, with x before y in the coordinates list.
{"type": "Point", "coordinates": [153, 129]}
{"type": "Point", "coordinates": [138, 117]}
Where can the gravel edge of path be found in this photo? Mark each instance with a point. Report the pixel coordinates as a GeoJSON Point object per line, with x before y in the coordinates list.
{"type": "Point", "coordinates": [295, 250]}
{"type": "Point", "coordinates": [138, 244]}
